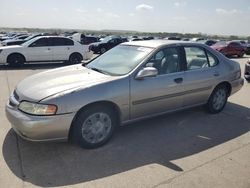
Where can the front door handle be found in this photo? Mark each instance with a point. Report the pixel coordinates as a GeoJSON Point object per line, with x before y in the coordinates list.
{"type": "Point", "coordinates": [178, 80]}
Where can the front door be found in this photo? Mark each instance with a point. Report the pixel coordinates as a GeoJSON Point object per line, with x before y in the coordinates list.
{"type": "Point", "coordinates": [161, 93]}
{"type": "Point", "coordinates": [39, 50]}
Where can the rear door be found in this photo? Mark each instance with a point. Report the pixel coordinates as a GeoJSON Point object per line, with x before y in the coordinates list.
{"type": "Point", "coordinates": [62, 48]}
{"type": "Point", "coordinates": [200, 75]}
{"type": "Point", "coordinates": [40, 50]}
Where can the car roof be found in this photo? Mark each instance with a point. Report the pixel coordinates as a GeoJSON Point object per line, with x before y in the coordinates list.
{"type": "Point", "coordinates": [156, 43]}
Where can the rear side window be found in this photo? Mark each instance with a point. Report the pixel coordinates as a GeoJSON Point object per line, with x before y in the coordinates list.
{"type": "Point", "coordinates": [62, 42]}
{"type": "Point", "coordinates": [198, 58]}
{"type": "Point", "coordinates": [212, 60]}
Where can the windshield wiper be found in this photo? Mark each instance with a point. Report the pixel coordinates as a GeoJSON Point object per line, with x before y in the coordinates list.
{"type": "Point", "coordinates": [98, 70]}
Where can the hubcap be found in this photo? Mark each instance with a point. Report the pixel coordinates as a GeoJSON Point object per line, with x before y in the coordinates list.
{"type": "Point", "coordinates": [96, 127]}
{"type": "Point", "coordinates": [219, 99]}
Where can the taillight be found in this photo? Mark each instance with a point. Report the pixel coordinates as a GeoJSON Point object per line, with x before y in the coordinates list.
{"type": "Point", "coordinates": [238, 74]}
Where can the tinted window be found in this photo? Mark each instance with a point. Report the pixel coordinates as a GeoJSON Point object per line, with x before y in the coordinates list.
{"type": "Point", "coordinates": [40, 43]}
{"type": "Point", "coordinates": [234, 44]}
{"type": "Point", "coordinates": [196, 58]}
{"type": "Point", "coordinates": [166, 61]}
{"type": "Point", "coordinates": [62, 42]}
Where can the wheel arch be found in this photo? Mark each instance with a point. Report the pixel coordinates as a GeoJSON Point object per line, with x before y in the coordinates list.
{"type": "Point", "coordinates": [105, 103]}
{"type": "Point", "coordinates": [227, 84]}
{"type": "Point", "coordinates": [73, 53]}
{"type": "Point", "coordinates": [15, 53]}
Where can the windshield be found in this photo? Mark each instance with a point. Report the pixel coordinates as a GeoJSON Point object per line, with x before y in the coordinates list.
{"type": "Point", "coordinates": [30, 37]}
{"type": "Point", "coordinates": [106, 39]}
{"type": "Point", "coordinates": [28, 42]}
{"type": "Point", "coordinates": [119, 60]}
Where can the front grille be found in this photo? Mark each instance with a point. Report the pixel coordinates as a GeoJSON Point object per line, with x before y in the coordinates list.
{"type": "Point", "coordinates": [16, 95]}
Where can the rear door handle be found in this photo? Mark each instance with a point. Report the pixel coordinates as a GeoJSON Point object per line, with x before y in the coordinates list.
{"type": "Point", "coordinates": [216, 74]}
{"type": "Point", "coordinates": [178, 80]}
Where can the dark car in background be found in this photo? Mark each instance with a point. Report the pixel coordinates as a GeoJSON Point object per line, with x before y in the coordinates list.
{"type": "Point", "coordinates": [208, 42]}
{"type": "Point", "coordinates": [20, 41]}
{"type": "Point", "coordinates": [86, 40]}
{"type": "Point", "coordinates": [230, 48]}
{"type": "Point", "coordinates": [247, 70]}
{"type": "Point", "coordinates": [106, 44]}
{"type": "Point", "coordinates": [248, 49]}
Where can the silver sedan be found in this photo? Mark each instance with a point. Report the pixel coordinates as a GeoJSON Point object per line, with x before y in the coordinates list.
{"type": "Point", "coordinates": [133, 81]}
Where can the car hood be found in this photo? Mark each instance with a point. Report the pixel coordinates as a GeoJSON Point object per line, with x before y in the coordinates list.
{"type": "Point", "coordinates": [46, 84]}
{"type": "Point", "coordinates": [10, 47]}
{"type": "Point", "coordinates": [14, 40]}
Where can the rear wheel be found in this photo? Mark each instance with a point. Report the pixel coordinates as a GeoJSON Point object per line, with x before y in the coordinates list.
{"type": "Point", "coordinates": [218, 99]}
{"type": "Point", "coordinates": [15, 60]}
{"type": "Point", "coordinates": [94, 126]}
{"type": "Point", "coordinates": [75, 58]}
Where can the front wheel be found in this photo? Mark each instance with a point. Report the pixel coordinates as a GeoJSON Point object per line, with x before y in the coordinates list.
{"type": "Point", "coordinates": [241, 54]}
{"type": "Point", "coordinates": [94, 126]}
{"type": "Point", "coordinates": [217, 100]}
{"type": "Point", "coordinates": [15, 60]}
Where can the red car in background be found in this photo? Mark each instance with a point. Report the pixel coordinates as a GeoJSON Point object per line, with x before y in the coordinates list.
{"type": "Point", "coordinates": [230, 48]}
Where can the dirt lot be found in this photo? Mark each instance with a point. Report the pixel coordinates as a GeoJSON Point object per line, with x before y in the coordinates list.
{"type": "Point", "coordinates": [186, 149]}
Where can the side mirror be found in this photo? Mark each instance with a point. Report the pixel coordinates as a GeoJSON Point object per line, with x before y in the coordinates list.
{"type": "Point", "coordinates": [146, 72]}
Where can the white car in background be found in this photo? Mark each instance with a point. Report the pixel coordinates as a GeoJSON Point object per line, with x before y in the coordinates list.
{"type": "Point", "coordinates": [44, 49]}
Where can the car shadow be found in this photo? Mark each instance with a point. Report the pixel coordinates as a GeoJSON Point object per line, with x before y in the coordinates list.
{"type": "Point", "coordinates": [34, 66]}
{"type": "Point", "coordinates": [158, 140]}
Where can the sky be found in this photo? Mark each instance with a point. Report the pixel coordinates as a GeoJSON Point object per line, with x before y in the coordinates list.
{"type": "Point", "coordinates": [222, 17]}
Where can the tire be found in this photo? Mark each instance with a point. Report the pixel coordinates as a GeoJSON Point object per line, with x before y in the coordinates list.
{"type": "Point", "coordinates": [241, 54]}
{"type": "Point", "coordinates": [75, 58]}
{"type": "Point", "coordinates": [217, 100]}
{"type": "Point", "coordinates": [94, 126]}
{"type": "Point", "coordinates": [103, 50]}
{"type": "Point", "coordinates": [16, 60]}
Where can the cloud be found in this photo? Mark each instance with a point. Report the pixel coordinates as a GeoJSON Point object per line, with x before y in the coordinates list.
{"type": "Point", "coordinates": [144, 7]}
{"type": "Point", "coordinates": [99, 10]}
{"type": "Point", "coordinates": [224, 11]}
{"type": "Point", "coordinates": [180, 4]}
{"type": "Point", "coordinates": [55, 9]}
{"type": "Point", "coordinates": [131, 14]}
{"type": "Point", "coordinates": [80, 10]}
{"type": "Point", "coordinates": [180, 18]}
{"type": "Point", "coordinates": [20, 14]}
{"type": "Point", "coordinates": [112, 15]}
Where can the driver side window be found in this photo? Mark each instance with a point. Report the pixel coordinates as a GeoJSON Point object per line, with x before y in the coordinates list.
{"type": "Point", "coordinates": [40, 43]}
{"type": "Point", "coordinates": [166, 61]}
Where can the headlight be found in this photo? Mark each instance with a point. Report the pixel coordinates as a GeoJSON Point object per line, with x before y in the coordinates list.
{"type": "Point", "coordinates": [37, 109]}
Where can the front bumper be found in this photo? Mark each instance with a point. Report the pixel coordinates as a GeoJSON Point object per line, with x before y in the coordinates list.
{"type": "Point", "coordinates": [237, 85]}
{"type": "Point", "coordinates": [39, 128]}
{"type": "Point", "coordinates": [247, 72]}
